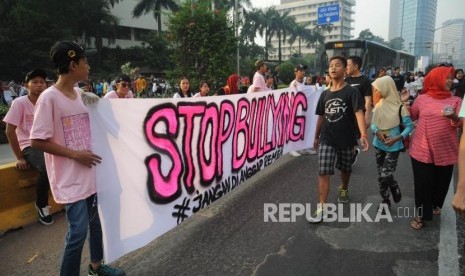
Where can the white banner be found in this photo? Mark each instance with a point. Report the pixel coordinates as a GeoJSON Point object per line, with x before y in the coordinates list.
{"type": "Point", "coordinates": [165, 159]}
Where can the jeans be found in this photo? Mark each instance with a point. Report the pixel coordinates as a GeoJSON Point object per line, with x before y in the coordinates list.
{"type": "Point", "coordinates": [36, 159]}
{"type": "Point", "coordinates": [82, 216]}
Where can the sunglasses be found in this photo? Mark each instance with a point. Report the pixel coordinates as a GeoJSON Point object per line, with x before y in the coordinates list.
{"type": "Point", "coordinates": [125, 84]}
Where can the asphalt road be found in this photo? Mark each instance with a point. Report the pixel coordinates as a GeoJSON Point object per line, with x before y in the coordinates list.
{"type": "Point", "coordinates": [230, 237]}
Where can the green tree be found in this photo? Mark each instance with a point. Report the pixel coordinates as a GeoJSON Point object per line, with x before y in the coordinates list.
{"type": "Point", "coordinates": [396, 43]}
{"type": "Point", "coordinates": [95, 21]}
{"type": "Point", "coordinates": [302, 34]}
{"type": "Point", "coordinates": [368, 35]}
{"type": "Point", "coordinates": [29, 29]}
{"type": "Point", "coordinates": [203, 43]}
{"type": "Point", "coordinates": [155, 6]}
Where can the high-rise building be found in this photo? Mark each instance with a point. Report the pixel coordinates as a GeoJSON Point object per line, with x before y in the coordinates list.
{"type": "Point", "coordinates": [306, 11]}
{"type": "Point", "coordinates": [452, 43]}
{"type": "Point", "coordinates": [414, 21]}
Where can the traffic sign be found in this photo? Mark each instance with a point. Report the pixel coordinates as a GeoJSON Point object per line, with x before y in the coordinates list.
{"type": "Point", "coordinates": [328, 14]}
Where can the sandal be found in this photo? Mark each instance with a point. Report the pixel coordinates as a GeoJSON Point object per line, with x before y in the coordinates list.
{"type": "Point", "coordinates": [416, 224]}
{"type": "Point", "coordinates": [437, 211]}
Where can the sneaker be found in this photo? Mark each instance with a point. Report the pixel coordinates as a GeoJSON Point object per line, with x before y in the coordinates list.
{"type": "Point", "coordinates": [343, 196]}
{"type": "Point", "coordinates": [396, 194]}
{"type": "Point", "coordinates": [318, 216]}
{"type": "Point", "coordinates": [356, 153]}
{"type": "Point", "coordinates": [44, 215]}
{"type": "Point", "coordinates": [294, 153]}
{"type": "Point", "coordinates": [104, 270]}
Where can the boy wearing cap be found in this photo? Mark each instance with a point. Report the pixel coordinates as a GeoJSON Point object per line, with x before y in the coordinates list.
{"type": "Point", "coordinates": [18, 126]}
{"type": "Point", "coordinates": [61, 129]}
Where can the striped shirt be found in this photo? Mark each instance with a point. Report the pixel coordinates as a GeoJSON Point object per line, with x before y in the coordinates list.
{"type": "Point", "coordinates": [434, 140]}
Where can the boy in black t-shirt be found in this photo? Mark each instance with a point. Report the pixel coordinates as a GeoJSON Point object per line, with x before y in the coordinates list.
{"type": "Point", "coordinates": [340, 111]}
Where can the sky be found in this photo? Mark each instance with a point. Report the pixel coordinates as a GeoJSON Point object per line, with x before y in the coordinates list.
{"type": "Point", "coordinates": [374, 14]}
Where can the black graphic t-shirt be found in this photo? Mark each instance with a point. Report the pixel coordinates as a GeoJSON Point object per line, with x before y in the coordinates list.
{"type": "Point", "coordinates": [363, 85]}
{"type": "Point", "coordinates": [339, 127]}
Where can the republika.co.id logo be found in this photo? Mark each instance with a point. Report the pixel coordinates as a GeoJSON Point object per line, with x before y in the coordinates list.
{"type": "Point", "coordinates": [358, 212]}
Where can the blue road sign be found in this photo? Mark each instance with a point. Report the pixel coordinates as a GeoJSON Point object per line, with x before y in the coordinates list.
{"type": "Point", "coordinates": [328, 14]}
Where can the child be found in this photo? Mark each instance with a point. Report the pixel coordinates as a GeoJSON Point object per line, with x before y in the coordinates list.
{"type": "Point", "coordinates": [18, 126]}
{"type": "Point", "coordinates": [61, 129]}
{"type": "Point", "coordinates": [340, 110]}
{"type": "Point", "coordinates": [387, 138]}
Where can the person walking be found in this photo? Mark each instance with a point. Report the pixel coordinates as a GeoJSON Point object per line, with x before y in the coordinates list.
{"type": "Point", "coordinates": [340, 111]}
{"type": "Point", "coordinates": [387, 139]}
{"type": "Point", "coordinates": [434, 144]}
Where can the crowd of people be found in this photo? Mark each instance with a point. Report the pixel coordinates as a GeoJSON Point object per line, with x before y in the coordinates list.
{"type": "Point", "coordinates": [348, 106]}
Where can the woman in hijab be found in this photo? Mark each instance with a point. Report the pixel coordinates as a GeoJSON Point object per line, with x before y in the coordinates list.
{"type": "Point", "coordinates": [232, 84]}
{"type": "Point", "coordinates": [388, 137]}
{"type": "Point", "coordinates": [434, 145]}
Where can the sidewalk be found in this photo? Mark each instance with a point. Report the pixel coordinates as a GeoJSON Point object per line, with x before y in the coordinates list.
{"type": "Point", "coordinates": [6, 154]}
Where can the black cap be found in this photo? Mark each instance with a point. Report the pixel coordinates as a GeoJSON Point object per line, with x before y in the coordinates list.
{"type": "Point", "coordinates": [35, 73]}
{"type": "Point", "coordinates": [63, 52]}
{"type": "Point", "coordinates": [300, 67]}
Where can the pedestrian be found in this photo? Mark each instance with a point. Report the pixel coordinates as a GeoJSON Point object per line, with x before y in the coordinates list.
{"type": "Point", "coordinates": [459, 84]}
{"type": "Point", "coordinates": [340, 111]}
{"type": "Point", "coordinates": [18, 126]}
{"type": "Point", "coordinates": [359, 81]}
{"type": "Point", "coordinates": [204, 89]}
{"type": "Point", "coordinates": [141, 85]}
{"type": "Point", "coordinates": [387, 139]}
{"type": "Point", "coordinates": [184, 89]}
{"type": "Point", "coordinates": [298, 85]}
{"type": "Point", "coordinates": [61, 129]}
{"type": "Point", "coordinates": [258, 82]}
{"type": "Point", "coordinates": [458, 202]}
{"type": "Point", "coordinates": [123, 86]}
{"type": "Point", "coordinates": [434, 144]}
{"type": "Point", "coordinates": [399, 80]}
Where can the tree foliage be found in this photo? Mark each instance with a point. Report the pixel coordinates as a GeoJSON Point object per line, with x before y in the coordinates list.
{"type": "Point", "coordinates": [368, 35]}
{"type": "Point", "coordinates": [203, 42]}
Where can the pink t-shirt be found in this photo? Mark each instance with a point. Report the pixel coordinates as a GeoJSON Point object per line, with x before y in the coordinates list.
{"type": "Point", "coordinates": [259, 81]}
{"type": "Point", "coordinates": [65, 122]}
{"type": "Point", "coordinates": [114, 95]}
{"type": "Point", "coordinates": [434, 140]}
{"type": "Point", "coordinates": [21, 115]}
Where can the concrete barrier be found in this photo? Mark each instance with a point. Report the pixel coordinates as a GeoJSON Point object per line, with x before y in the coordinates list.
{"type": "Point", "coordinates": [17, 197]}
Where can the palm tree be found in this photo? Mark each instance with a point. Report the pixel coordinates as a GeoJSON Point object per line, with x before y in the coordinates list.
{"type": "Point", "coordinates": [250, 26]}
{"type": "Point", "coordinates": [95, 21]}
{"type": "Point", "coordinates": [268, 25]}
{"type": "Point", "coordinates": [286, 26]}
{"type": "Point", "coordinates": [230, 4]}
{"type": "Point", "coordinates": [301, 33]}
{"type": "Point", "coordinates": [155, 6]}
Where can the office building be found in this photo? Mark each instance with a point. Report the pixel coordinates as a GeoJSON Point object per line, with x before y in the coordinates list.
{"type": "Point", "coordinates": [414, 21]}
{"type": "Point", "coordinates": [452, 42]}
{"type": "Point", "coordinates": [306, 11]}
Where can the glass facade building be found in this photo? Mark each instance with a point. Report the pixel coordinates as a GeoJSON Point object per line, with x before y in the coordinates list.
{"type": "Point", "coordinates": [414, 21]}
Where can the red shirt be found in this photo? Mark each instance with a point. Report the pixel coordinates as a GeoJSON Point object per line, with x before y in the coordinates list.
{"type": "Point", "coordinates": [435, 138]}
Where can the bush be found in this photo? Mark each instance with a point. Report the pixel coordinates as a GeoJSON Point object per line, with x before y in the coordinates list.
{"type": "Point", "coordinates": [286, 72]}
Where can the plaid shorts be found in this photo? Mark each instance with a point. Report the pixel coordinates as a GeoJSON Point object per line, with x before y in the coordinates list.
{"type": "Point", "coordinates": [327, 155]}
